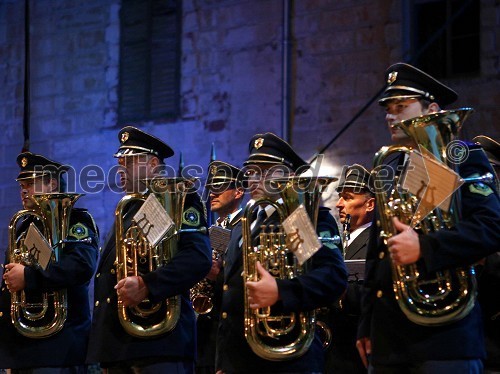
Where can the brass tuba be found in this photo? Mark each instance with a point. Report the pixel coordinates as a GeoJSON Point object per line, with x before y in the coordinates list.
{"type": "Point", "coordinates": [136, 256]}
{"type": "Point", "coordinates": [445, 296]}
{"type": "Point", "coordinates": [202, 293]}
{"type": "Point", "coordinates": [271, 334]}
{"type": "Point", "coordinates": [41, 316]}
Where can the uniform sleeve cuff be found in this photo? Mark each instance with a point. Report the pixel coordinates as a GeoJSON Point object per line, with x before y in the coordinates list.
{"type": "Point", "coordinates": [30, 278]}
{"type": "Point", "coordinates": [286, 294]}
{"type": "Point", "coordinates": [427, 250]}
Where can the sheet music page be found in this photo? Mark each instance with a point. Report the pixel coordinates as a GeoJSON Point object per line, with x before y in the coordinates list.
{"type": "Point", "coordinates": [153, 220]}
{"type": "Point", "coordinates": [219, 238]}
{"type": "Point", "coordinates": [301, 239]}
{"type": "Point", "coordinates": [432, 182]}
{"type": "Point", "coordinates": [38, 247]}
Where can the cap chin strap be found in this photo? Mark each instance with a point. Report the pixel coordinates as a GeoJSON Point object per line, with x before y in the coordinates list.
{"type": "Point", "coordinates": [273, 159]}
{"type": "Point", "coordinates": [131, 151]}
{"type": "Point", "coordinates": [425, 94]}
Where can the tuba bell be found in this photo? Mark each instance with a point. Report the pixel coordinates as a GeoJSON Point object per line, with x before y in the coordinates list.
{"type": "Point", "coordinates": [202, 293]}
{"type": "Point", "coordinates": [41, 315]}
{"type": "Point", "coordinates": [445, 296]}
{"type": "Point", "coordinates": [274, 335]}
{"type": "Point", "coordinates": [135, 256]}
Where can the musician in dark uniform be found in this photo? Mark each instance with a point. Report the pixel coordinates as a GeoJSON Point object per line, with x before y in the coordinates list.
{"type": "Point", "coordinates": [357, 200]}
{"type": "Point", "coordinates": [225, 184]}
{"type": "Point", "coordinates": [270, 156]}
{"type": "Point", "coordinates": [226, 192]}
{"type": "Point", "coordinates": [386, 336]}
{"type": "Point", "coordinates": [141, 156]}
{"type": "Point", "coordinates": [488, 273]}
{"type": "Point", "coordinates": [63, 352]}
{"type": "Point", "coordinates": [492, 149]}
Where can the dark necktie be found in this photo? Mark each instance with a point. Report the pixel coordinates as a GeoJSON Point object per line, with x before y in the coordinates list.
{"type": "Point", "coordinates": [225, 222]}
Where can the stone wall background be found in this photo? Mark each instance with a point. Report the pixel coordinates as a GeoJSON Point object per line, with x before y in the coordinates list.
{"type": "Point", "coordinates": [230, 84]}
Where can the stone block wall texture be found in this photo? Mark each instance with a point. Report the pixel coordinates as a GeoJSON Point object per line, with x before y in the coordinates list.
{"type": "Point", "coordinates": [230, 85]}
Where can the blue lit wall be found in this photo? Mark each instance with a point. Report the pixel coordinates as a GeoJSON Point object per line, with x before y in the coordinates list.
{"type": "Point", "coordinates": [230, 84]}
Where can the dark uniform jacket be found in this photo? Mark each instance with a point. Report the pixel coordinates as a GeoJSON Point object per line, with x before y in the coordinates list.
{"type": "Point", "coordinates": [489, 299]}
{"type": "Point", "coordinates": [208, 323]}
{"type": "Point", "coordinates": [342, 355]}
{"type": "Point", "coordinates": [109, 344]}
{"type": "Point", "coordinates": [323, 284]}
{"type": "Point", "coordinates": [73, 271]}
{"type": "Point", "coordinates": [357, 249]}
{"type": "Point", "coordinates": [395, 340]}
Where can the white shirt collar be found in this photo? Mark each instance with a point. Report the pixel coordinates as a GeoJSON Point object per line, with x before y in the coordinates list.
{"type": "Point", "coordinates": [353, 235]}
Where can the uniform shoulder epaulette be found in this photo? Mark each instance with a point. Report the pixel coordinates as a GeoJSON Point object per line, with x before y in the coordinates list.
{"type": "Point", "coordinates": [81, 222]}
{"type": "Point", "coordinates": [194, 213]}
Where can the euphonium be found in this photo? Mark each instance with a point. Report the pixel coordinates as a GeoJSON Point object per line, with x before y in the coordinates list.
{"type": "Point", "coordinates": [201, 296]}
{"type": "Point", "coordinates": [274, 335]}
{"type": "Point", "coordinates": [44, 314]}
{"type": "Point", "coordinates": [202, 293]}
{"type": "Point", "coordinates": [135, 256]}
{"type": "Point", "coordinates": [445, 296]}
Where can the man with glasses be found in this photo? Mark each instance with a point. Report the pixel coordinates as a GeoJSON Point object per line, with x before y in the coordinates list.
{"type": "Point", "coordinates": [270, 157]}
{"type": "Point", "coordinates": [226, 192]}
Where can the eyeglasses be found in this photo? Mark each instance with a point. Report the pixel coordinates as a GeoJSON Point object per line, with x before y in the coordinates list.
{"type": "Point", "coordinates": [218, 189]}
{"type": "Point", "coordinates": [276, 171]}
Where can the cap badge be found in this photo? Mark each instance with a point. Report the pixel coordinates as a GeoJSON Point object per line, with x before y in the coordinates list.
{"type": "Point", "coordinates": [213, 170]}
{"type": "Point", "coordinates": [392, 77]}
{"type": "Point", "coordinates": [125, 136]}
{"type": "Point", "coordinates": [24, 162]}
{"type": "Point", "coordinates": [258, 143]}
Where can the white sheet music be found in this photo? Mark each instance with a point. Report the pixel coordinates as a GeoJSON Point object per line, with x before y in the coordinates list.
{"type": "Point", "coordinates": [432, 182]}
{"type": "Point", "coordinates": [153, 220]}
{"type": "Point", "coordinates": [37, 246]}
{"type": "Point", "coordinates": [301, 239]}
